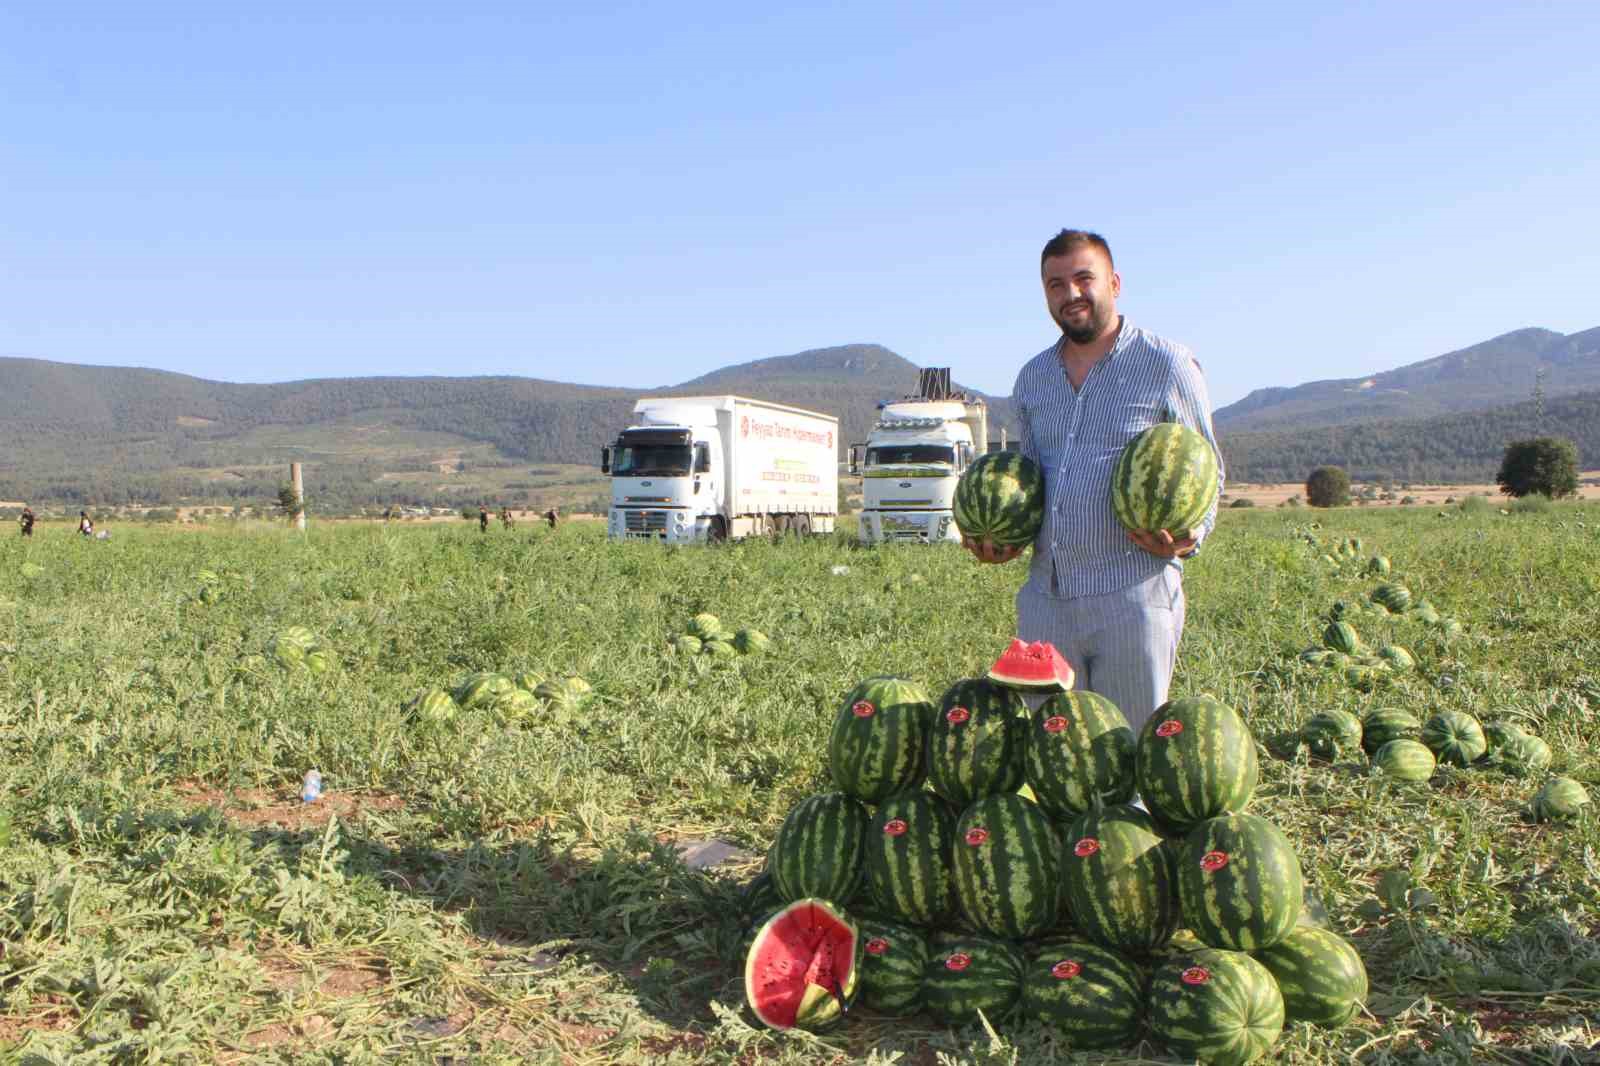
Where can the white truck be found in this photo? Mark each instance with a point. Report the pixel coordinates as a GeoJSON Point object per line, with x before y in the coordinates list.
{"type": "Point", "coordinates": [911, 462]}
{"type": "Point", "coordinates": [711, 468]}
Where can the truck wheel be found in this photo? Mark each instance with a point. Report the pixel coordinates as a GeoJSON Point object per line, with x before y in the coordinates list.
{"type": "Point", "coordinates": [780, 525]}
{"type": "Point", "coordinates": [718, 530]}
{"type": "Point", "coordinates": [802, 525]}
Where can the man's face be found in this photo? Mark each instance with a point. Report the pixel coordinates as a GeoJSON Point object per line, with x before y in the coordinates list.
{"type": "Point", "coordinates": [1081, 290]}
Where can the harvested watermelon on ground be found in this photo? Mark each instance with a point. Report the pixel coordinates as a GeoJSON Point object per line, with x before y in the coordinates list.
{"type": "Point", "coordinates": [820, 848]}
{"type": "Point", "coordinates": [1240, 882]}
{"type": "Point", "coordinates": [1405, 760]}
{"type": "Point", "coordinates": [894, 961]}
{"type": "Point", "coordinates": [1319, 973]}
{"type": "Point", "coordinates": [976, 741]}
{"type": "Point", "coordinates": [1165, 478]}
{"type": "Point", "coordinates": [433, 705]}
{"type": "Point", "coordinates": [1000, 498]}
{"type": "Point", "coordinates": [1035, 667]}
{"type": "Point", "coordinates": [1454, 737]}
{"type": "Point", "coordinates": [968, 973]}
{"type": "Point", "coordinates": [1386, 724]}
{"type": "Point", "coordinates": [909, 852]}
{"type": "Point", "coordinates": [803, 966]}
{"type": "Point", "coordinates": [1092, 995]}
{"type": "Point", "coordinates": [1560, 799]}
{"type": "Point", "coordinates": [1008, 867]}
{"type": "Point", "coordinates": [1195, 759]}
{"type": "Point", "coordinates": [1329, 734]}
{"type": "Point", "coordinates": [1080, 753]}
{"type": "Point", "coordinates": [1118, 879]}
{"type": "Point", "coordinates": [879, 738]}
{"type": "Point", "coordinates": [1523, 755]}
{"type": "Point", "coordinates": [1221, 1007]}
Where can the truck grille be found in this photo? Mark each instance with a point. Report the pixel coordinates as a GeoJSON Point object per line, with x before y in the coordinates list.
{"type": "Point", "coordinates": [644, 522]}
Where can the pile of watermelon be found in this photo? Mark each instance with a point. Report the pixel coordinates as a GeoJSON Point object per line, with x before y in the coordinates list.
{"type": "Point", "coordinates": [977, 857]}
{"type": "Point", "coordinates": [513, 699]}
{"type": "Point", "coordinates": [705, 635]}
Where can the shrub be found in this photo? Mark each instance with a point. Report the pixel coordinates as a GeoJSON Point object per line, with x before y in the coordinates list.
{"type": "Point", "coordinates": [1242, 502]}
{"type": "Point", "coordinates": [1533, 503]}
{"type": "Point", "coordinates": [1406, 501]}
{"type": "Point", "coordinates": [1328, 486]}
{"type": "Point", "coordinates": [1544, 465]}
{"type": "Point", "coordinates": [1474, 504]}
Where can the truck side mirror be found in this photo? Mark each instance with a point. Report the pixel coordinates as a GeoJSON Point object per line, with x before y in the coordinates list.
{"type": "Point", "coordinates": [855, 459]}
{"type": "Point", "coordinates": [964, 453]}
{"type": "Point", "coordinates": [605, 458]}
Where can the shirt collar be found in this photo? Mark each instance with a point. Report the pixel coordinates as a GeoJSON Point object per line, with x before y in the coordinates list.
{"type": "Point", "coordinates": [1124, 338]}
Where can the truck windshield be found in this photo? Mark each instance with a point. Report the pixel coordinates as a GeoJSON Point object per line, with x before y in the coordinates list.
{"type": "Point", "coordinates": [885, 454]}
{"type": "Point", "coordinates": [651, 460]}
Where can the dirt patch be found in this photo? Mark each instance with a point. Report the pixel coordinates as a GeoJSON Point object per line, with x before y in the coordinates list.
{"type": "Point", "coordinates": [43, 1018]}
{"type": "Point", "coordinates": [1271, 495]}
{"type": "Point", "coordinates": [256, 808]}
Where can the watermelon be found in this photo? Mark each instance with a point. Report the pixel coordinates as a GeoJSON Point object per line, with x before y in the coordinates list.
{"type": "Point", "coordinates": [705, 626]}
{"type": "Point", "coordinates": [1321, 976]}
{"type": "Point", "coordinates": [968, 973]}
{"type": "Point", "coordinates": [1341, 636]}
{"type": "Point", "coordinates": [1008, 867]}
{"type": "Point", "coordinates": [320, 661]}
{"type": "Point", "coordinates": [1165, 478]}
{"type": "Point", "coordinates": [1386, 724]}
{"type": "Point", "coordinates": [718, 649]}
{"type": "Point", "coordinates": [1405, 760]}
{"type": "Point", "coordinates": [1118, 879]}
{"type": "Point", "coordinates": [1454, 737]}
{"type": "Point", "coordinates": [1495, 734]}
{"type": "Point", "coordinates": [820, 848]}
{"type": "Point", "coordinates": [1195, 759]}
{"type": "Point", "coordinates": [1561, 798]}
{"type": "Point", "coordinates": [1035, 667]}
{"type": "Point", "coordinates": [909, 850]}
{"type": "Point", "coordinates": [1523, 754]}
{"type": "Point", "coordinates": [750, 641]}
{"type": "Point", "coordinates": [1092, 995]}
{"type": "Point", "coordinates": [1316, 656]}
{"type": "Point", "coordinates": [759, 898]}
{"type": "Point", "coordinates": [529, 680]}
{"type": "Point", "coordinates": [803, 966]}
{"type": "Point", "coordinates": [1079, 753]}
{"type": "Point", "coordinates": [976, 741]}
{"type": "Point", "coordinates": [1331, 733]}
{"type": "Point", "coordinates": [894, 961]}
{"type": "Point", "coordinates": [1366, 676]}
{"type": "Point", "coordinates": [483, 690]}
{"type": "Point", "coordinates": [1398, 658]}
{"type": "Point", "coordinates": [1221, 1007]}
{"type": "Point", "coordinates": [1392, 597]}
{"type": "Point", "coordinates": [1000, 498]}
{"type": "Point", "coordinates": [432, 705]}
{"type": "Point", "coordinates": [1379, 566]}
{"type": "Point", "coordinates": [1427, 614]}
{"type": "Point", "coordinates": [1239, 879]}
{"type": "Point", "coordinates": [686, 644]}
{"type": "Point", "coordinates": [879, 737]}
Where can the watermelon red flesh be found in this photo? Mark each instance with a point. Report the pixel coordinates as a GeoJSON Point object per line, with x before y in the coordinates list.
{"type": "Point", "coordinates": [1035, 667]}
{"type": "Point", "coordinates": [801, 967]}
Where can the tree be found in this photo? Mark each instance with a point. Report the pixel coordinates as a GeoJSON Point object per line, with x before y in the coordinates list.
{"type": "Point", "coordinates": [1328, 486]}
{"type": "Point", "coordinates": [288, 502]}
{"type": "Point", "coordinates": [1546, 465]}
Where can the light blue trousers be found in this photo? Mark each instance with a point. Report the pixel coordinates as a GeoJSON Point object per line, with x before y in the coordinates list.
{"type": "Point", "coordinates": [1122, 645]}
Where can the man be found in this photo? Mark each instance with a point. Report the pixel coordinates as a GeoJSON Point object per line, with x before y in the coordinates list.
{"type": "Point", "coordinates": [550, 517]}
{"type": "Point", "coordinates": [26, 521]}
{"type": "Point", "coordinates": [483, 520]}
{"type": "Point", "coordinates": [85, 524]}
{"type": "Point", "coordinates": [1110, 600]}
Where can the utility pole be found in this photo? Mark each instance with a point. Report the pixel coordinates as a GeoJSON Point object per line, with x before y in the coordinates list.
{"type": "Point", "coordinates": [297, 484]}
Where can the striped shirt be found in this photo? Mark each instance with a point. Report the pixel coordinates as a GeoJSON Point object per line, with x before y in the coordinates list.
{"type": "Point", "coordinates": [1075, 435]}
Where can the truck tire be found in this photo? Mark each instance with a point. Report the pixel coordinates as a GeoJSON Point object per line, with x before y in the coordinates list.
{"type": "Point", "coordinates": [717, 532]}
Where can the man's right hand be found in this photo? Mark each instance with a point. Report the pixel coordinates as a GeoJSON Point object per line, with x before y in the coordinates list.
{"type": "Point", "coordinates": [987, 551]}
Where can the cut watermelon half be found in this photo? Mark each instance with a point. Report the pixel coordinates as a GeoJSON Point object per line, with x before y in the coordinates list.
{"type": "Point", "coordinates": [1035, 667]}
{"type": "Point", "coordinates": [800, 971]}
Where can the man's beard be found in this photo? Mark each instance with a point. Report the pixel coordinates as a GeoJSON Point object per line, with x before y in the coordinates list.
{"type": "Point", "coordinates": [1092, 327]}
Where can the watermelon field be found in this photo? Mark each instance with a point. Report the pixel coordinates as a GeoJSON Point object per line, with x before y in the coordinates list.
{"type": "Point", "coordinates": [566, 883]}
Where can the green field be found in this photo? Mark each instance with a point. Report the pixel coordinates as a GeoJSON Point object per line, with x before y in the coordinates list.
{"type": "Point", "coordinates": [487, 893]}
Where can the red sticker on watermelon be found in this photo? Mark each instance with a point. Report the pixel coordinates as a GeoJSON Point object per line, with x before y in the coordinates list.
{"type": "Point", "coordinates": [1196, 975]}
{"type": "Point", "coordinates": [877, 946]}
{"type": "Point", "coordinates": [977, 835]}
{"type": "Point", "coordinates": [863, 709]}
{"type": "Point", "coordinates": [957, 715]}
{"type": "Point", "coordinates": [1054, 724]}
{"type": "Point", "coordinates": [1213, 860]}
{"type": "Point", "coordinates": [1086, 847]}
{"type": "Point", "coordinates": [1066, 969]}
{"type": "Point", "coordinates": [894, 827]}
{"type": "Point", "coordinates": [1170, 728]}
{"type": "Point", "coordinates": [958, 962]}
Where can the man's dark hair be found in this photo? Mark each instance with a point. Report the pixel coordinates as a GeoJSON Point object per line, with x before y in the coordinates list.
{"type": "Point", "coordinates": [1068, 239]}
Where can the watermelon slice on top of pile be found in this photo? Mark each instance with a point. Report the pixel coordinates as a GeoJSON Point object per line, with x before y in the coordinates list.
{"type": "Point", "coordinates": [1035, 667]}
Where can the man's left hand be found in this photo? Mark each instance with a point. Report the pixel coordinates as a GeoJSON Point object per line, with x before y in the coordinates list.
{"type": "Point", "coordinates": [1163, 544]}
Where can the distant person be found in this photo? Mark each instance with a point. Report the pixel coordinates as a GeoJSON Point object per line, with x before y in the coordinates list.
{"type": "Point", "coordinates": [85, 524]}
{"type": "Point", "coordinates": [483, 520]}
{"type": "Point", "coordinates": [505, 517]}
{"type": "Point", "coordinates": [26, 521]}
{"type": "Point", "coordinates": [550, 517]}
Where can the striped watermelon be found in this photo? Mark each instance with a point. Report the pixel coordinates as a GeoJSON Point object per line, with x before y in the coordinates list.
{"type": "Point", "coordinates": [1000, 498]}
{"type": "Point", "coordinates": [1426, 613]}
{"type": "Point", "coordinates": [894, 960]}
{"type": "Point", "coordinates": [1331, 733]}
{"type": "Point", "coordinates": [1008, 867]}
{"type": "Point", "coordinates": [1221, 1007]}
{"type": "Point", "coordinates": [1092, 995]}
{"type": "Point", "coordinates": [1321, 976]}
{"type": "Point", "coordinates": [820, 848]}
{"type": "Point", "coordinates": [1560, 799]}
{"type": "Point", "coordinates": [1454, 737]}
{"type": "Point", "coordinates": [1392, 597]}
{"type": "Point", "coordinates": [515, 706]}
{"type": "Point", "coordinates": [1118, 879]}
{"type": "Point", "coordinates": [484, 689]}
{"type": "Point", "coordinates": [1341, 636]}
{"type": "Point", "coordinates": [976, 741]}
{"type": "Point", "coordinates": [1496, 733]}
{"type": "Point", "coordinates": [1079, 752]}
{"type": "Point", "coordinates": [1405, 760]}
{"type": "Point", "coordinates": [968, 973]}
{"type": "Point", "coordinates": [433, 705]}
{"type": "Point", "coordinates": [909, 847]}
{"type": "Point", "coordinates": [1239, 879]}
{"type": "Point", "coordinates": [879, 736]}
{"type": "Point", "coordinates": [1165, 478]}
{"type": "Point", "coordinates": [1397, 657]}
{"type": "Point", "coordinates": [1386, 724]}
{"type": "Point", "coordinates": [1523, 755]}
{"type": "Point", "coordinates": [1195, 760]}
{"type": "Point", "coordinates": [803, 965]}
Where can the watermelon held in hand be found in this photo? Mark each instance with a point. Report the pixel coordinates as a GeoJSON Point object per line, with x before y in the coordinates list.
{"type": "Point", "coordinates": [1035, 667]}
{"type": "Point", "coordinates": [1319, 973]}
{"type": "Point", "coordinates": [878, 743]}
{"type": "Point", "coordinates": [1165, 478]}
{"type": "Point", "coordinates": [1220, 1007]}
{"type": "Point", "coordinates": [1092, 995]}
{"type": "Point", "coordinates": [803, 966]}
{"type": "Point", "coordinates": [1000, 498]}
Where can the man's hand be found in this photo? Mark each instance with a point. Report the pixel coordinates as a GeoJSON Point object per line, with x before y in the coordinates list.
{"type": "Point", "coordinates": [1163, 544]}
{"type": "Point", "coordinates": [988, 551]}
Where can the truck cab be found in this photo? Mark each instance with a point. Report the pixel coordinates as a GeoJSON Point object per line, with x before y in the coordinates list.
{"type": "Point", "coordinates": [664, 475]}
{"type": "Point", "coordinates": [909, 467]}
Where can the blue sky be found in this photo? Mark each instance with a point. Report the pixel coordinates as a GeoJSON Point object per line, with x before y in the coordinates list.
{"type": "Point", "coordinates": [634, 194]}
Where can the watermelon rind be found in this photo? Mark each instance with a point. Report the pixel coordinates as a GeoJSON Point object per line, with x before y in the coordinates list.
{"type": "Point", "coordinates": [820, 848]}
{"type": "Point", "coordinates": [879, 739]}
{"type": "Point", "coordinates": [976, 741]}
{"type": "Point", "coordinates": [1000, 498]}
{"type": "Point", "coordinates": [792, 970]}
{"type": "Point", "coordinates": [1118, 879]}
{"type": "Point", "coordinates": [1319, 973]}
{"type": "Point", "coordinates": [1080, 752]}
{"type": "Point", "coordinates": [909, 851]}
{"type": "Point", "coordinates": [1405, 760]}
{"type": "Point", "coordinates": [1559, 799]}
{"type": "Point", "coordinates": [894, 962]}
{"type": "Point", "coordinates": [1240, 882]}
{"type": "Point", "coordinates": [1195, 759]}
{"type": "Point", "coordinates": [1220, 1007]}
{"type": "Point", "coordinates": [1007, 867]}
{"type": "Point", "coordinates": [1455, 738]}
{"type": "Point", "coordinates": [969, 973]}
{"type": "Point", "coordinates": [1165, 478]}
{"type": "Point", "coordinates": [1092, 995]}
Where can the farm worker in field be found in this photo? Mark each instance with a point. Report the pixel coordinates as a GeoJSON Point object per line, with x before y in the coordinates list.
{"type": "Point", "coordinates": [85, 524]}
{"type": "Point", "coordinates": [550, 517]}
{"type": "Point", "coordinates": [26, 521]}
{"type": "Point", "coordinates": [505, 517]}
{"type": "Point", "coordinates": [1110, 600]}
{"type": "Point", "coordinates": [483, 520]}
